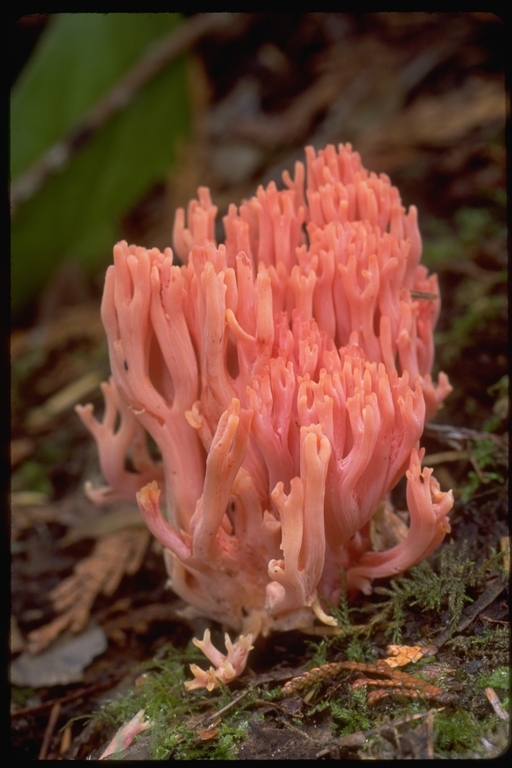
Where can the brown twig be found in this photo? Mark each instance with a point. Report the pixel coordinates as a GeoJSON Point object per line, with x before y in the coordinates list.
{"type": "Point", "coordinates": [118, 98]}
{"type": "Point", "coordinates": [443, 457]}
{"type": "Point", "coordinates": [358, 738]}
{"type": "Point", "coordinates": [50, 727]}
{"type": "Point", "coordinates": [114, 555]}
{"type": "Point", "coordinates": [493, 699]}
{"type": "Point", "coordinates": [79, 694]}
{"type": "Point", "coordinates": [470, 614]}
{"type": "Point", "coordinates": [209, 719]}
{"type": "Point", "coordinates": [447, 433]}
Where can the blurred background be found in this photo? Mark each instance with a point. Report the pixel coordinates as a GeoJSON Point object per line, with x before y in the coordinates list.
{"type": "Point", "coordinates": [116, 119]}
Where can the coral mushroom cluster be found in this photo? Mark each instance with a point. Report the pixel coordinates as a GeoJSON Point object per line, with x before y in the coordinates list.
{"type": "Point", "coordinates": [285, 377]}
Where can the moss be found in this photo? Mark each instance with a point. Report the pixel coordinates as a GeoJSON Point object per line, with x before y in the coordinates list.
{"type": "Point", "coordinates": [433, 590]}
{"type": "Point", "coordinates": [487, 456]}
{"type": "Point", "coordinates": [352, 714]}
{"type": "Point", "coordinates": [20, 696]}
{"type": "Point", "coordinates": [180, 719]}
{"type": "Point", "coordinates": [498, 678]}
{"type": "Point", "coordinates": [455, 732]}
{"type": "Point", "coordinates": [184, 726]}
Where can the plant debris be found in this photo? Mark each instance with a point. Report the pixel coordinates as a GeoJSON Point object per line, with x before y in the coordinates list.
{"type": "Point", "coordinates": [113, 556]}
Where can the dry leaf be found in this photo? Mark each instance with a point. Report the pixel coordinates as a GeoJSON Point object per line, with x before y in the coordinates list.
{"type": "Point", "coordinates": [113, 556]}
{"type": "Point", "coordinates": [387, 529]}
{"type": "Point", "coordinates": [62, 664]}
{"type": "Point", "coordinates": [401, 655]}
{"type": "Point", "coordinates": [76, 322]}
{"type": "Point", "coordinates": [435, 121]}
{"type": "Point", "coordinates": [123, 516]}
{"type": "Point", "coordinates": [21, 449]}
{"type": "Point", "coordinates": [43, 415]}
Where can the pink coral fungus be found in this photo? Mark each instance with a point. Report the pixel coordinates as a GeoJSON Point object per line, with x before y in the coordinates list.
{"type": "Point", "coordinates": [285, 377]}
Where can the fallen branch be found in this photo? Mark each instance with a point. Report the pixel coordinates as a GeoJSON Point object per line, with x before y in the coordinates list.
{"type": "Point", "coordinates": [474, 610]}
{"type": "Point", "coordinates": [358, 738]}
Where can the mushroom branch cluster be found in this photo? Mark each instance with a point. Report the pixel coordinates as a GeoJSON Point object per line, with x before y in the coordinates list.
{"type": "Point", "coordinates": [285, 377]}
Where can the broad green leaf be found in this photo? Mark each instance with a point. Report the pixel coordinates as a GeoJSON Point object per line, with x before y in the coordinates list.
{"type": "Point", "coordinates": [75, 214]}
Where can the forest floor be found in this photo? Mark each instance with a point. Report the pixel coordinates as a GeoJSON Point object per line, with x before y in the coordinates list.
{"type": "Point", "coordinates": [422, 98]}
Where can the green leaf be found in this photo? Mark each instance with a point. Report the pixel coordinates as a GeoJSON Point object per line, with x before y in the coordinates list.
{"type": "Point", "coordinates": [75, 214]}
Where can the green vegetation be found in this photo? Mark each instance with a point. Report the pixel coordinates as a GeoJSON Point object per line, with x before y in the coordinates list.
{"type": "Point", "coordinates": [499, 679]}
{"type": "Point", "coordinates": [32, 476]}
{"type": "Point", "coordinates": [184, 726]}
{"type": "Point", "coordinates": [488, 457]}
{"type": "Point", "coordinates": [78, 61]}
{"type": "Point", "coordinates": [428, 590]}
{"type": "Point", "coordinates": [455, 732]}
{"type": "Point", "coordinates": [472, 227]}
